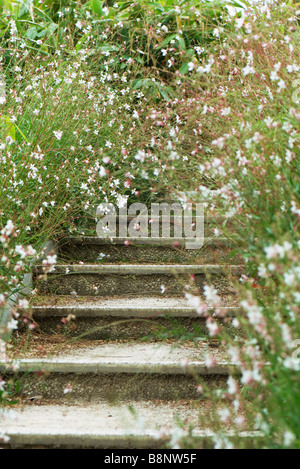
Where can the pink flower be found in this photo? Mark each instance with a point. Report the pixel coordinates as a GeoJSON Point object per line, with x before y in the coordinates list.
{"type": "Point", "coordinates": [210, 361]}
{"type": "Point", "coordinates": [247, 377]}
{"type": "Point", "coordinates": [68, 389]}
{"type": "Point", "coordinates": [212, 327]}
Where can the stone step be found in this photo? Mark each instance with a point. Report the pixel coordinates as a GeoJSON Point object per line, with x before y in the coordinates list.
{"type": "Point", "coordinates": [176, 224]}
{"type": "Point", "coordinates": [147, 250]}
{"type": "Point", "coordinates": [123, 307]}
{"type": "Point", "coordinates": [136, 280]}
{"type": "Point", "coordinates": [122, 317]}
{"type": "Point", "coordinates": [103, 426]}
{"type": "Point", "coordinates": [118, 371]}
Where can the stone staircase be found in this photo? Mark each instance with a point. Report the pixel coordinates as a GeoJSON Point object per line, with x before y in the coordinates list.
{"type": "Point", "coordinates": [112, 382]}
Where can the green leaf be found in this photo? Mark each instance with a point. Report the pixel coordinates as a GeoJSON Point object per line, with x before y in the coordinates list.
{"type": "Point", "coordinates": [167, 40]}
{"type": "Point", "coordinates": [184, 68]}
{"type": "Point", "coordinates": [165, 94]}
{"type": "Point", "coordinates": [137, 84]}
{"type": "Point", "coordinates": [181, 43]}
{"type": "Point", "coordinates": [238, 4]}
{"type": "Point", "coordinates": [7, 127]}
{"type": "Point", "coordinates": [7, 4]}
{"type": "Point", "coordinates": [157, 6]}
{"type": "Point", "coordinates": [190, 53]}
{"type": "Point", "coordinates": [23, 10]}
{"type": "Point", "coordinates": [42, 33]}
{"type": "Point", "coordinates": [51, 28]}
{"type": "Point", "coordinates": [21, 131]}
{"type": "Point", "coordinates": [96, 7]}
{"type": "Point", "coordinates": [12, 402]}
{"type": "Point", "coordinates": [32, 33]}
{"type": "Point", "coordinates": [81, 42]}
{"type": "Point", "coordinates": [233, 253]}
{"type": "Point", "coordinates": [125, 5]}
{"type": "Point", "coordinates": [110, 48]}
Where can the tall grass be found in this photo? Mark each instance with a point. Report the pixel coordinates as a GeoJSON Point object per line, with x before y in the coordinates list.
{"type": "Point", "coordinates": [251, 105]}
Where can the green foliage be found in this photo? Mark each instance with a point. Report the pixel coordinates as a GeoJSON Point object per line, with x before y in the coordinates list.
{"type": "Point", "coordinates": [139, 33]}
{"type": "Point", "coordinates": [7, 128]}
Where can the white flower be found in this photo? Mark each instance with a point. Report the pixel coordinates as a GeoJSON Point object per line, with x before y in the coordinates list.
{"type": "Point", "coordinates": [122, 200]}
{"type": "Point", "coordinates": [51, 259]}
{"type": "Point", "coordinates": [226, 111]}
{"type": "Point", "coordinates": [222, 442]}
{"type": "Point", "coordinates": [239, 22]}
{"type": "Point", "coordinates": [262, 271]}
{"type": "Point", "coordinates": [296, 211]}
{"type": "Point", "coordinates": [196, 303]}
{"type": "Point", "coordinates": [297, 297]}
{"type": "Point", "coordinates": [224, 414]}
{"type": "Point", "coordinates": [58, 134]}
{"type": "Point", "coordinates": [219, 142]}
{"type": "Point", "coordinates": [286, 335]}
{"type": "Point", "coordinates": [292, 363]}
{"type": "Point", "coordinates": [23, 303]}
{"type": "Point", "coordinates": [213, 328]}
{"type": "Point", "coordinates": [210, 362]}
{"type": "Point", "coordinates": [248, 70]}
{"type": "Point", "coordinates": [235, 354]}
{"type": "Point", "coordinates": [253, 312]}
{"type": "Point", "coordinates": [247, 377]}
{"type": "Point", "coordinates": [281, 85]}
{"type": "Point", "coordinates": [289, 278]}
{"type": "Point", "coordinates": [210, 294]}
{"type": "Point", "coordinates": [232, 11]}
{"type": "Point", "coordinates": [140, 156]}
{"type": "Point", "coordinates": [102, 171]}
{"type": "Point", "coordinates": [4, 438]}
{"type": "Point", "coordinates": [277, 250]}
{"type": "Point", "coordinates": [232, 385]}
{"type": "Point", "coordinates": [12, 324]}
{"type": "Point", "coordinates": [288, 438]}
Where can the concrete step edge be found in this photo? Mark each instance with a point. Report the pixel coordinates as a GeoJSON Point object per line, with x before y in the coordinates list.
{"type": "Point", "coordinates": [142, 269]}
{"type": "Point", "coordinates": [85, 367]}
{"type": "Point", "coordinates": [146, 440]}
{"type": "Point", "coordinates": [146, 241]}
{"type": "Point", "coordinates": [85, 311]}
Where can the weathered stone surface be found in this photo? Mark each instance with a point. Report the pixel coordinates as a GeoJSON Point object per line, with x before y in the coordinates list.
{"type": "Point", "coordinates": [146, 250]}
{"type": "Point", "coordinates": [128, 370]}
{"type": "Point", "coordinates": [111, 280]}
{"type": "Point", "coordinates": [108, 426]}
